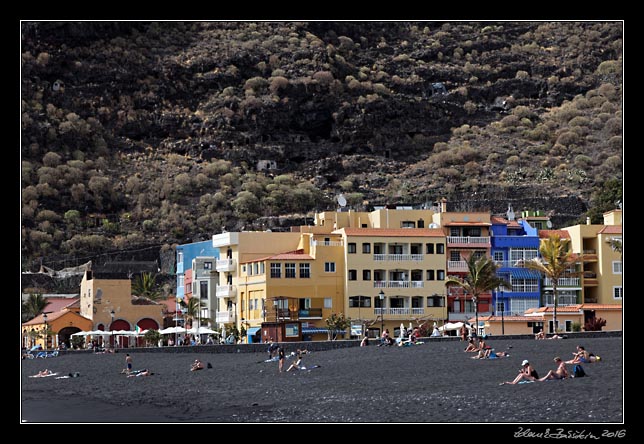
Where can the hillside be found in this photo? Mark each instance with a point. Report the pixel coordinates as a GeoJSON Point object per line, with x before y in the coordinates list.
{"type": "Point", "coordinates": [138, 134]}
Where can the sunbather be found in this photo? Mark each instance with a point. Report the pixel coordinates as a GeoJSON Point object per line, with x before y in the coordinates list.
{"type": "Point", "coordinates": [560, 373]}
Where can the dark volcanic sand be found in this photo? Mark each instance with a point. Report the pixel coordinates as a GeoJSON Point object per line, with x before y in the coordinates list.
{"type": "Point", "coordinates": [433, 382]}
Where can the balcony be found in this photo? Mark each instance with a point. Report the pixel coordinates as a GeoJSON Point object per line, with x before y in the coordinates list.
{"type": "Point", "coordinates": [328, 243]}
{"type": "Point", "coordinates": [399, 311]}
{"type": "Point", "coordinates": [398, 284]}
{"type": "Point", "coordinates": [398, 257]}
{"type": "Point", "coordinates": [468, 241]}
{"type": "Point", "coordinates": [226, 291]}
{"type": "Point", "coordinates": [311, 313]}
{"type": "Point", "coordinates": [563, 282]}
{"type": "Point", "coordinates": [457, 266]}
{"type": "Point", "coordinates": [226, 265]}
{"type": "Point", "coordinates": [225, 317]}
{"type": "Point", "coordinates": [590, 256]}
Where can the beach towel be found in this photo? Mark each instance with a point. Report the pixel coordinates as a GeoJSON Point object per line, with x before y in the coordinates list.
{"type": "Point", "coordinates": [44, 376]}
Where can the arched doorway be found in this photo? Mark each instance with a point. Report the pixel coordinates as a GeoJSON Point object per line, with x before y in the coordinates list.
{"type": "Point", "coordinates": [145, 324]}
{"type": "Point", "coordinates": [120, 341]}
{"type": "Point", "coordinates": [65, 335]}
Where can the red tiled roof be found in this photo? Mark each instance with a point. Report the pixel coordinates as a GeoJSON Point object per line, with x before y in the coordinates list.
{"type": "Point", "coordinates": [611, 229]}
{"type": "Point", "coordinates": [50, 317]}
{"type": "Point", "coordinates": [466, 224]}
{"type": "Point", "coordinates": [57, 304]}
{"type": "Point", "coordinates": [393, 232]}
{"type": "Point", "coordinates": [501, 221]}
{"type": "Point", "coordinates": [616, 307]}
{"type": "Point", "coordinates": [545, 234]}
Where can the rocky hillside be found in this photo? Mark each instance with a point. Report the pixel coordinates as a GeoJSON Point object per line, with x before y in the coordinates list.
{"type": "Point", "coordinates": [136, 134]}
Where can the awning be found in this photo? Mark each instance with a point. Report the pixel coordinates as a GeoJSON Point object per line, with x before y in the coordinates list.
{"type": "Point", "coordinates": [313, 331]}
{"type": "Point", "coordinates": [253, 330]}
{"type": "Point", "coordinates": [524, 273]}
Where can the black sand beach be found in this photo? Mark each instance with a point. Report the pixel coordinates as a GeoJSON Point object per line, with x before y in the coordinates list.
{"type": "Point", "coordinates": [432, 383]}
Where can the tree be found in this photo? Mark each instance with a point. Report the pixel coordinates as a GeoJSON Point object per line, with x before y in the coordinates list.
{"type": "Point", "coordinates": [145, 285]}
{"type": "Point", "coordinates": [553, 262]}
{"type": "Point", "coordinates": [594, 324]}
{"type": "Point", "coordinates": [615, 244]}
{"type": "Point", "coordinates": [34, 305]}
{"type": "Point", "coordinates": [152, 336]}
{"type": "Point", "coordinates": [481, 278]}
{"type": "Point", "coordinates": [336, 323]}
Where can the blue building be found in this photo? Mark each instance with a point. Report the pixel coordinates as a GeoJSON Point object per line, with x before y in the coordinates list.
{"type": "Point", "coordinates": [513, 243]}
{"type": "Point", "coordinates": [186, 253]}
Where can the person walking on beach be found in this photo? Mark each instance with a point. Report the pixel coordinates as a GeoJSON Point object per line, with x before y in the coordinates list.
{"type": "Point", "coordinates": [560, 373]}
{"type": "Point", "coordinates": [128, 363]}
{"type": "Point", "coordinates": [281, 356]}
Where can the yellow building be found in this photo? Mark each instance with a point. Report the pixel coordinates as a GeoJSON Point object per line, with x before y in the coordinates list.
{"type": "Point", "coordinates": [49, 329]}
{"type": "Point", "coordinates": [601, 278]}
{"type": "Point", "coordinates": [107, 300]}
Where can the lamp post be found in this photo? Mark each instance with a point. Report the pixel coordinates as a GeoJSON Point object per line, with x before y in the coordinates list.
{"type": "Point", "coordinates": [111, 327]}
{"type": "Point", "coordinates": [44, 318]}
{"type": "Point", "coordinates": [475, 301]}
{"type": "Point", "coordinates": [381, 296]}
{"type": "Point", "coordinates": [502, 310]}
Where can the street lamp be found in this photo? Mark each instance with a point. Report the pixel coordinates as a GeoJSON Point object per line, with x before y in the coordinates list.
{"type": "Point", "coordinates": [44, 318]}
{"type": "Point", "coordinates": [112, 327]}
{"type": "Point", "coordinates": [502, 310]}
{"type": "Point", "coordinates": [381, 295]}
{"type": "Point", "coordinates": [475, 301]}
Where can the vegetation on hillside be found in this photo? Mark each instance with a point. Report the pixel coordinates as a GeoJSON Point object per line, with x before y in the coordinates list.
{"type": "Point", "coordinates": [152, 133]}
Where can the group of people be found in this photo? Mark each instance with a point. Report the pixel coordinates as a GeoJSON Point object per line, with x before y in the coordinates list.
{"type": "Point", "coordinates": [482, 349]}
{"type": "Point", "coordinates": [529, 374]}
{"type": "Point", "coordinates": [407, 337]}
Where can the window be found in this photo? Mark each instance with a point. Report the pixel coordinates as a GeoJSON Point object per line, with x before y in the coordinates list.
{"type": "Point", "coordinates": [617, 292]}
{"type": "Point", "coordinates": [351, 248]}
{"type": "Point", "coordinates": [243, 268]}
{"type": "Point", "coordinates": [179, 257]}
{"type": "Point", "coordinates": [522, 254]}
{"type": "Point", "coordinates": [366, 275]}
{"type": "Point", "coordinates": [289, 270]}
{"type": "Point", "coordinates": [305, 270]}
{"type": "Point", "coordinates": [429, 248]}
{"type": "Point", "coordinates": [440, 248]}
{"type": "Point", "coordinates": [440, 275]}
{"type": "Point", "coordinates": [329, 267]}
{"type": "Point", "coordinates": [276, 270]}
{"type": "Point", "coordinates": [478, 254]}
{"type": "Point", "coordinates": [353, 275]}
{"type": "Point", "coordinates": [328, 303]}
{"type": "Point", "coordinates": [366, 248]}
{"type": "Point", "coordinates": [261, 268]}
{"type": "Point", "coordinates": [251, 304]}
{"type": "Point", "coordinates": [435, 301]}
{"type": "Point", "coordinates": [472, 232]}
{"type": "Point", "coordinates": [203, 289]}
{"type": "Point", "coordinates": [305, 304]}
{"type": "Point", "coordinates": [180, 282]}
{"type": "Point", "coordinates": [455, 255]}
{"type": "Point", "coordinates": [250, 269]}
{"type": "Point", "coordinates": [430, 275]}
{"type": "Point", "coordinates": [617, 267]}
{"type": "Point", "coordinates": [454, 231]}
{"type": "Point", "coordinates": [407, 224]}
{"type": "Point", "coordinates": [500, 306]}
{"type": "Point", "coordinates": [498, 256]}
{"type": "Point", "coordinates": [568, 326]}
{"type": "Point", "coordinates": [363, 226]}
{"type": "Point", "coordinates": [359, 301]}
{"type": "Point", "coordinates": [207, 265]}
{"type": "Point", "coordinates": [255, 268]}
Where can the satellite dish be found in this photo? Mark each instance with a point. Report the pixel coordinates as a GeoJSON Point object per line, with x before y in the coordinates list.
{"type": "Point", "coordinates": [549, 224]}
{"type": "Point", "coordinates": [99, 294]}
{"type": "Point", "coordinates": [433, 225]}
{"type": "Point", "coordinates": [342, 201]}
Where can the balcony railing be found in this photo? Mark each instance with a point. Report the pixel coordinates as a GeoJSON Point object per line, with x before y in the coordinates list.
{"type": "Point", "coordinates": [562, 282]}
{"type": "Point", "coordinates": [398, 257]}
{"type": "Point", "coordinates": [471, 240]}
{"type": "Point", "coordinates": [311, 313]}
{"type": "Point", "coordinates": [398, 284]}
{"type": "Point", "coordinates": [225, 265]}
{"type": "Point", "coordinates": [456, 266]}
{"type": "Point", "coordinates": [328, 243]}
{"type": "Point", "coordinates": [225, 316]}
{"type": "Point", "coordinates": [399, 311]}
{"type": "Point", "coordinates": [226, 291]}
{"type": "Point", "coordinates": [519, 263]}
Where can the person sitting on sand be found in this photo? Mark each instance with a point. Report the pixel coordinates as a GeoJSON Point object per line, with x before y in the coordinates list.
{"type": "Point", "coordinates": [365, 341]}
{"type": "Point", "coordinates": [540, 335]}
{"type": "Point", "coordinates": [298, 361]}
{"type": "Point", "coordinates": [560, 373]}
{"type": "Point", "coordinates": [581, 356]}
{"type": "Point", "coordinates": [472, 346]}
{"type": "Point", "coordinates": [197, 365]}
{"type": "Point", "coordinates": [526, 373]}
{"type": "Point", "coordinates": [137, 373]}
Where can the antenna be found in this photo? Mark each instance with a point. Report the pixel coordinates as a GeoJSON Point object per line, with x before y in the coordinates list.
{"type": "Point", "coordinates": [342, 201]}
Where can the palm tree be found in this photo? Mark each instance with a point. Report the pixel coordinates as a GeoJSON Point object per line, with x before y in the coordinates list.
{"type": "Point", "coordinates": [193, 311]}
{"type": "Point", "coordinates": [34, 305]}
{"type": "Point", "coordinates": [553, 262]}
{"type": "Point", "coordinates": [615, 244]}
{"type": "Point", "coordinates": [481, 278]}
{"type": "Point", "coordinates": [144, 285]}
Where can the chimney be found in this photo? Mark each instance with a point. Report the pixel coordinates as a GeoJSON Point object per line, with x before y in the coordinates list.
{"type": "Point", "coordinates": [443, 205]}
{"type": "Point", "coordinates": [587, 220]}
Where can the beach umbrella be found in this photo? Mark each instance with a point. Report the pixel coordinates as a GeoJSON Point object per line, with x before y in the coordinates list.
{"type": "Point", "coordinates": [81, 333]}
{"type": "Point", "coordinates": [202, 331]}
{"type": "Point", "coordinates": [172, 330]}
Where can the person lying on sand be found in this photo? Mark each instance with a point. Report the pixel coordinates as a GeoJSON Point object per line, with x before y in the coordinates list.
{"type": "Point", "coordinates": [137, 373]}
{"type": "Point", "coordinates": [43, 373]}
{"type": "Point", "coordinates": [197, 365]}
